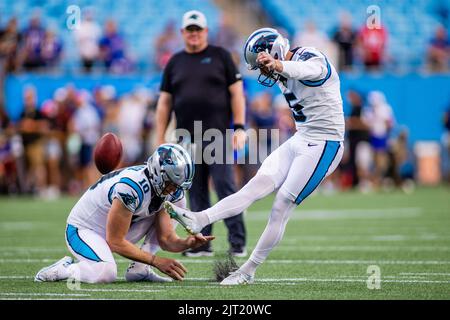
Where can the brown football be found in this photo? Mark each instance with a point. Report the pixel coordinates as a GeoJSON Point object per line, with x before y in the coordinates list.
{"type": "Point", "coordinates": [107, 153]}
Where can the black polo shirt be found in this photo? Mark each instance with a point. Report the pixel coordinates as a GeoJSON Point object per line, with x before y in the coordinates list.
{"type": "Point", "coordinates": [198, 83]}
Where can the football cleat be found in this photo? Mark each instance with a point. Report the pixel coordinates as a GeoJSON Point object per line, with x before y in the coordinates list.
{"type": "Point", "coordinates": [237, 278]}
{"type": "Point", "coordinates": [185, 217]}
{"type": "Point", "coordinates": [198, 253]}
{"type": "Point", "coordinates": [238, 252]}
{"type": "Point", "coordinates": [54, 272]}
{"type": "Point", "coordinates": [142, 272]}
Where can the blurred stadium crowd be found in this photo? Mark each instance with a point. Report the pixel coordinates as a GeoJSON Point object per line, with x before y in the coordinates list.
{"type": "Point", "coordinates": [39, 48]}
{"type": "Point", "coordinates": [49, 149]}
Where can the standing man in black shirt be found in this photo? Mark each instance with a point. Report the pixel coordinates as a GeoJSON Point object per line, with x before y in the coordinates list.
{"type": "Point", "coordinates": [345, 40]}
{"type": "Point", "coordinates": [447, 137]}
{"type": "Point", "coordinates": [357, 132]}
{"type": "Point", "coordinates": [201, 83]}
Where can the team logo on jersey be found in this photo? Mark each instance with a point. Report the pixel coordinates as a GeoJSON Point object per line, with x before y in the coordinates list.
{"type": "Point", "coordinates": [206, 60]}
{"type": "Point", "coordinates": [306, 56]}
{"type": "Point", "coordinates": [127, 199]}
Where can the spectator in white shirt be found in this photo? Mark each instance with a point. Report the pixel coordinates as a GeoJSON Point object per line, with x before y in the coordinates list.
{"type": "Point", "coordinates": [132, 111]}
{"type": "Point", "coordinates": [380, 119]}
{"type": "Point", "coordinates": [87, 37]}
{"type": "Point", "coordinates": [87, 125]}
{"type": "Point", "coordinates": [310, 36]}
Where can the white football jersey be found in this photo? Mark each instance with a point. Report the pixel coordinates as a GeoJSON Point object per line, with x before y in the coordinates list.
{"type": "Point", "coordinates": [130, 185]}
{"type": "Point", "coordinates": [311, 86]}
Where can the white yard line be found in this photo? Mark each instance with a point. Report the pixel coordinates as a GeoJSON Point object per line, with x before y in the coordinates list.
{"type": "Point", "coordinates": [27, 260]}
{"type": "Point", "coordinates": [32, 249]}
{"type": "Point", "coordinates": [385, 213]}
{"type": "Point", "coordinates": [284, 261]}
{"type": "Point", "coordinates": [413, 281]}
{"type": "Point", "coordinates": [400, 262]}
{"type": "Point", "coordinates": [386, 277]}
{"type": "Point", "coordinates": [23, 225]}
{"type": "Point", "coordinates": [385, 237]}
{"type": "Point", "coordinates": [282, 247]}
{"type": "Point", "coordinates": [187, 286]}
{"type": "Point", "coordinates": [341, 279]}
{"type": "Point", "coordinates": [424, 274]}
{"type": "Point", "coordinates": [212, 284]}
{"type": "Point", "coordinates": [44, 294]}
{"type": "Point", "coordinates": [300, 248]}
{"type": "Point", "coordinates": [119, 290]}
{"type": "Point", "coordinates": [53, 299]}
{"type": "Point", "coordinates": [76, 299]}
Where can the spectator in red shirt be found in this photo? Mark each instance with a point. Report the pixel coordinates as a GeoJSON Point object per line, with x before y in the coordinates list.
{"type": "Point", "coordinates": [372, 43]}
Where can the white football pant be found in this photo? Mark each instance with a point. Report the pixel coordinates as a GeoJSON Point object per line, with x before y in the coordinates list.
{"type": "Point", "coordinates": [96, 262]}
{"type": "Point", "coordinates": [295, 169]}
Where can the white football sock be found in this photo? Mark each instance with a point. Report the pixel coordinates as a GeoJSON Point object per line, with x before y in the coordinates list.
{"type": "Point", "coordinates": [273, 233]}
{"type": "Point", "coordinates": [249, 267]}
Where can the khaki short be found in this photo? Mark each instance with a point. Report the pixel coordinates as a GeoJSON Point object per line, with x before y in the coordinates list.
{"type": "Point", "coordinates": [35, 154]}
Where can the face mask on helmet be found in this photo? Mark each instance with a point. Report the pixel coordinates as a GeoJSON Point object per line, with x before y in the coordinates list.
{"type": "Point", "coordinates": [265, 40]}
{"type": "Point", "coordinates": [171, 189]}
{"type": "Point", "coordinates": [171, 170]}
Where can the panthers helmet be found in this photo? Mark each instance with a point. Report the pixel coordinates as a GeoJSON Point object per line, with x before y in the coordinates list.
{"type": "Point", "coordinates": [270, 41]}
{"type": "Point", "coordinates": [171, 163]}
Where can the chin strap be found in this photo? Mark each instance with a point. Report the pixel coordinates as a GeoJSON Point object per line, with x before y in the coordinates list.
{"type": "Point", "coordinates": [147, 174]}
{"type": "Point", "coordinates": [268, 80]}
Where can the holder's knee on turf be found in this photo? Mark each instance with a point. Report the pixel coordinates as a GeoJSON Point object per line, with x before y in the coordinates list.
{"type": "Point", "coordinates": [108, 272]}
{"type": "Point", "coordinates": [94, 272]}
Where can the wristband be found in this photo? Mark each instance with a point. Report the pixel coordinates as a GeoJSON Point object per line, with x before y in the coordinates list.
{"type": "Point", "coordinates": [238, 126]}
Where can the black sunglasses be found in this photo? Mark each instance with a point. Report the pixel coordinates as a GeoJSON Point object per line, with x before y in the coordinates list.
{"type": "Point", "coordinates": [193, 28]}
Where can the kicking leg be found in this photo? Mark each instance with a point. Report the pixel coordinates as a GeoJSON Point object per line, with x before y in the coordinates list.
{"type": "Point", "coordinates": [273, 233]}
{"type": "Point", "coordinates": [268, 178]}
{"type": "Point", "coordinates": [308, 169]}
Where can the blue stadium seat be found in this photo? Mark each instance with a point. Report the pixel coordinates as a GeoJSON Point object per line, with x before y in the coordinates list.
{"type": "Point", "coordinates": [140, 21]}
{"type": "Point", "coordinates": [410, 23]}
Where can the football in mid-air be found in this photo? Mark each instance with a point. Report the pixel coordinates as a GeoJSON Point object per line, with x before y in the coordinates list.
{"type": "Point", "coordinates": [107, 153]}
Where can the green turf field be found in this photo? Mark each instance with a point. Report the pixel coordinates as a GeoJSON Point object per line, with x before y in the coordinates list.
{"type": "Point", "coordinates": [329, 244]}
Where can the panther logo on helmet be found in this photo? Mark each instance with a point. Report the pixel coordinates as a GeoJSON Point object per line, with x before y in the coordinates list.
{"type": "Point", "coordinates": [265, 40]}
{"type": "Point", "coordinates": [171, 163]}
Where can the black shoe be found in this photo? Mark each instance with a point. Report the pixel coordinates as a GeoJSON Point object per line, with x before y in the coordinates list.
{"type": "Point", "coordinates": [239, 252]}
{"type": "Point", "coordinates": [199, 252]}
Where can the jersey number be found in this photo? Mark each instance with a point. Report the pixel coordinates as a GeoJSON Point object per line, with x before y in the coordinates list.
{"type": "Point", "coordinates": [296, 108]}
{"type": "Point", "coordinates": [105, 177]}
{"type": "Point", "coordinates": [144, 185]}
